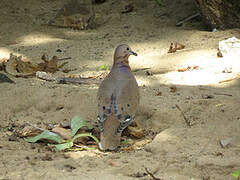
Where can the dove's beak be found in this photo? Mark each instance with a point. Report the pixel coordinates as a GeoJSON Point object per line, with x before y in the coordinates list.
{"type": "Point", "coordinates": [133, 53]}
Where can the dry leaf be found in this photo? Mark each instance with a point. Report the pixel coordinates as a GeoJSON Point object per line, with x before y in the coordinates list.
{"type": "Point", "coordinates": [28, 131]}
{"type": "Point", "coordinates": [159, 93]}
{"type": "Point", "coordinates": [75, 15]}
{"type": "Point", "coordinates": [219, 54]}
{"type": "Point", "coordinates": [177, 46]}
{"type": "Point", "coordinates": [17, 67]}
{"type": "Point", "coordinates": [142, 142]}
{"type": "Point", "coordinates": [135, 130]}
{"type": "Point", "coordinates": [3, 60]}
{"type": "Point", "coordinates": [64, 133]}
{"type": "Point", "coordinates": [172, 49]}
{"type": "Point", "coordinates": [49, 66]}
{"type": "Point", "coordinates": [128, 149]}
{"type": "Point", "coordinates": [173, 89]}
{"type": "Point", "coordinates": [84, 140]}
{"type": "Point", "coordinates": [188, 68]}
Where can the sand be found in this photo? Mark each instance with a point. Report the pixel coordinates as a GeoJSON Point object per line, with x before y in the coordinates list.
{"type": "Point", "coordinates": [177, 152]}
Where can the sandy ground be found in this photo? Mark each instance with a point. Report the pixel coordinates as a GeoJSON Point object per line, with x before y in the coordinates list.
{"type": "Point", "coordinates": [177, 152]}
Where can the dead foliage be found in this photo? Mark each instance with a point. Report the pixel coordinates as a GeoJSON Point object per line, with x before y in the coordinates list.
{"type": "Point", "coordinates": [188, 68]}
{"type": "Point", "coordinates": [19, 67]}
{"type": "Point", "coordinates": [177, 46]}
{"type": "Point", "coordinates": [135, 130]}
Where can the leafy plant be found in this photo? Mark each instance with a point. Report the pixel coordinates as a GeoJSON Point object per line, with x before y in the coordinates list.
{"type": "Point", "coordinates": [104, 67]}
{"type": "Point", "coordinates": [236, 174]}
{"type": "Point", "coordinates": [76, 124]}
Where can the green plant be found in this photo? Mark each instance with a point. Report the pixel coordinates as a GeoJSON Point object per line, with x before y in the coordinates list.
{"type": "Point", "coordinates": [236, 174]}
{"type": "Point", "coordinates": [104, 67]}
{"type": "Point", "coordinates": [76, 124]}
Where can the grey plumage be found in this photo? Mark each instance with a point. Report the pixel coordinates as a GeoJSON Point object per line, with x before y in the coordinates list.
{"type": "Point", "coordinates": [118, 99]}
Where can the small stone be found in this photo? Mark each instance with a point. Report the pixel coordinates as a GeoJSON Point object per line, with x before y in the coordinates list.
{"type": "Point", "coordinates": [225, 142]}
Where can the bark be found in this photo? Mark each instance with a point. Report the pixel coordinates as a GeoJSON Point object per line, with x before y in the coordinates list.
{"type": "Point", "coordinates": [220, 14]}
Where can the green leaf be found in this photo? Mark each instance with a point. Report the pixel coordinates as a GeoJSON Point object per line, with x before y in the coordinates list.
{"type": "Point", "coordinates": [236, 174]}
{"type": "Point", "coordinates": [78, 123]}
{"type": "Point", "coordinates": [104, 67]}
{"type": "Point", "coordinates": [45, 135]}
{"type": "Point", "coordinates": [83, 135]}
{"type": "Point", "coordinates": [63, 146]}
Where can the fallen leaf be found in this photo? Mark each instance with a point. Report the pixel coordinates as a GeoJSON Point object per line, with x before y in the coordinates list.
{"type": "Point", "coordinates": [3, 60]}
{"type": "Point", "coordinates": [85, 135]}
{"type": "Point", "coordinates": [172, 49]}
{"type": "Point", "coordinates": [188, 68]}
{"type": "Point", "coordinates": [143, 142]}
{"type": "Point", "coordinates": [17, 67]}
{"type": "Point", "coordinates": [159, 93]}
{"type": "Point", "coordinates": [128, 149]}
{"type": "Point", "coordinates": [135, 130]}
{"type": "Point", "coordinates": [64, 133]}
{"type": "Point", "coordinates": [63, 146]}
{"type": "Point", "coordinates": [219, 54]}
{"type": "Point", "coordinates": [28, 131]}
{"type": "Point", "coordinates": [78, 123]}
{"type": "Point", "coordinates": [49, 66]}
{"type": "Point", "coordinates": [173, 89]}
{"type": "Point", "coordinates": [47, 135]}
{"type": "Point", "coordinates": [179, 46]}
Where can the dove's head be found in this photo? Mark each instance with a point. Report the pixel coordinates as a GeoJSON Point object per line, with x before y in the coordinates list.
{"type": "Point", "coordinates": [122, 52]}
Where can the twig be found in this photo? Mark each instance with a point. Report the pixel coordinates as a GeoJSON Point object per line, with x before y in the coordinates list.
{"type": "Point", "coordinates": [186, 120]}
{"type": "Point", "coordinates": [180, 23]}
{"type": "Point", "coordinates": [151, 174]}
{"type": "Point", "coordinates": [63, 59]}
{"type": "Point", "coordinates": [36, 127]}
{"type": "Point", "coordinates": [224, 94]}
{"type": "Point", "coordinates": [64, 80]}
{"type": "Point", "coordinates": [227, 80]}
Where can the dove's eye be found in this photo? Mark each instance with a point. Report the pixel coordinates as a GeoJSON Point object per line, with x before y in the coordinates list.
{"type": "Point", "coordinates": [127, 49]}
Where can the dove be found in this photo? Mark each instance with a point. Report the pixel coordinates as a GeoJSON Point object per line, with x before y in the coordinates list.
{"type": "Point", "coordinates": [118, 99]}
